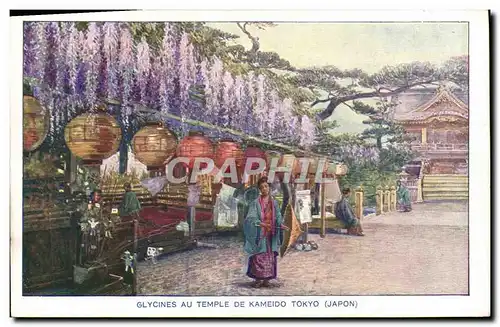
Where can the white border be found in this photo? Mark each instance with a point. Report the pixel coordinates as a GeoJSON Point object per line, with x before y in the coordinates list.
{"type": "Point", "coordinates": [477, 304]}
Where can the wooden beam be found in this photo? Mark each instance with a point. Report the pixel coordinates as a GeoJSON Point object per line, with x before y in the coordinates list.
{"type": "Point", "coordinates": [323, 212]}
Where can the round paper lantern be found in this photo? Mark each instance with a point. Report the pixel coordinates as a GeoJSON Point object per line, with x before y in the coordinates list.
{"type": "Point", "coordinates": [36, 123]}
{"type": "Point", "coordinates": [297, 167]}
{"type": "Point", "coordinates": [93, 137]}
{"type": "Point", "coordinates": [253, 151]}
{"type": "Point", "coordinates": [341, 170]}
{"type": "Point", "coordinates": [226, 149]}
{"type": "Point", "coordinates": [313, 166]}
{"type": "Point", "coordinates": [270, 155]}
{"type": "Point", "coordinates": [332, 169]}
{"type": "Point", "coordinates": [195, 145]}
{"type": "Point", "coordinates": [153, 145]}
{"type": "Point", "coordinates": [287, 160]}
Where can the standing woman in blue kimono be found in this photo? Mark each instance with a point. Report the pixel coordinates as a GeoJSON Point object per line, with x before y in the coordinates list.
{"type": "Point", "coordinates": [263, 230]}
{"type": "Point", "coordinates": [403, 197]}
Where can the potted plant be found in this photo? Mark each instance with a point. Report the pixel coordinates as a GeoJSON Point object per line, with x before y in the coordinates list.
{"type": "Point", "coordinates": [95, 220]}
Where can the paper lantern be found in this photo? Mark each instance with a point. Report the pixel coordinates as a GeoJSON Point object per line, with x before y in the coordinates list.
{"type": "Point", "coordinates": [253, 151]}
{"type": "Point", "coordinates": [270, 155]}
{"type": "Point", "coordinates": [93, 137]}
{"type": "Point", "coordinates": [287, 160]}
{"type": "Point", "coordinates": [332, 169]}
{"type": "Point", "coordinates": [36, 122]}
{"type": "Point", "coordinates": [297, 166]}
{"type": "Point", "coordinates": [193, 146]}
{"type": "Point", "coordinates": [226, 149]}
{"type": "Point", "coordinates": [153, 145]}
{"type": "Point", "coordinates": [313, 165]}
{"type": "Point", "coordinates": [341, 170]}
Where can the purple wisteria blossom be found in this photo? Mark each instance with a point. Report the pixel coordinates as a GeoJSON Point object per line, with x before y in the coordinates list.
{"type": "Point", "coordinates": [76, 68]}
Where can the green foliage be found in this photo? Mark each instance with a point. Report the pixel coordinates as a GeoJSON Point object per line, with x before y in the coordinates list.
{"type": "Point", "coordinates": [27, 89]}
{"type": "Point", "coordinates": [370, 178]}
{"type": "Point", "coordinates": [393, 157]}
{"type": "Point", "coordinates": [329, 144]}
{"type": "Point", "coordinates": [37, 166]}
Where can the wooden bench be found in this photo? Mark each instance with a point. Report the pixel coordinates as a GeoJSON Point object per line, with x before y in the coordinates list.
{"type": "Point", "coordinates": [332, 223]}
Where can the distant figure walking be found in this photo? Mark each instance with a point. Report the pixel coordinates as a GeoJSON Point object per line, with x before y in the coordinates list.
{"type": "Point", "coordinates": [403, 197]}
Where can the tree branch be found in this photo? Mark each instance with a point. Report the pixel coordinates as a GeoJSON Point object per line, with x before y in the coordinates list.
{"type": "Point", "coordinates": [334, 102]}
{"type": "Point", "coordinates": [320, 101]}
{"type": "Point", "coordinates": [255, 40]}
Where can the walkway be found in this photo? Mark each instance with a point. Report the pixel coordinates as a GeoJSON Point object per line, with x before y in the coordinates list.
{"type": "Point", "coordinates": [422, 252]}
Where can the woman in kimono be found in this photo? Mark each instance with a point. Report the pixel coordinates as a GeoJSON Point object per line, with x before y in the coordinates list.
{"type": "Point", "coordinates": [403, 197]}
{"type": "Point", "coordinates": [263, 230]}
{"type": "Point", "coordinates": [343, 211]}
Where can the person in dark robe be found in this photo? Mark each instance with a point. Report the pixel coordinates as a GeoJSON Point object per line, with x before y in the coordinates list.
{"type": "Point", "coordinates": [403, 198]}
{"type": "Point", "coordinates": [130, 205]}
{"type": "Point", "coordinates": [344, 212]}
{"type": "Point", "coordinates": [263, 229]}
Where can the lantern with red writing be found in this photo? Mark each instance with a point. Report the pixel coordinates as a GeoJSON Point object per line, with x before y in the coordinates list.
{"type": "Point", "coordinates": [253, 151]}
{"type": "Point", "coordinates": [153, 145]}
{"type": "Point", "coordinates": [35, 123]}
{"type": "Point", "coordinates": [193, 146]}
{"type": "Point", "coordinates": [93, 137]}
{"type": "Point", "coordinates": [228, 149]}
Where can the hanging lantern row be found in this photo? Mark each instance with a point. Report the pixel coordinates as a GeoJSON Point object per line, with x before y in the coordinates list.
{"type": "Point", "coordinates": [96, 136]}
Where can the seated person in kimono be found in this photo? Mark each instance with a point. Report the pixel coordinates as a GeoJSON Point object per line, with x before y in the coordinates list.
{"type": "Point", "coordinates": [344, 213]}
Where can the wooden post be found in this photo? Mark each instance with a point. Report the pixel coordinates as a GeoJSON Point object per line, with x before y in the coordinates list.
{"type": "Point", "coordinates": [420, 197]}
{"type": "Point", "coordinates": [393, 199]}
{"type": "Point", "coordinates": [424, 135]}
{"type": "Point", "coordinates": [379, 198]}
{"type": "Point", "coordinates": [191, 210]}
{"type": "Point", "coordinates": [358, 197]}
{"type": "Point", "coordinates": [134, 255]}
{"type": "Point", "coordinates": [387, 194]}
{"type": "Point", "coordinates": [323, 213]}
{"type": "Point", "coordinates": [192, 221]}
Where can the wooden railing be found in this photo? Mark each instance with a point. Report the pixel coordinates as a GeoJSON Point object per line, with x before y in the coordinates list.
{"type": "Point", "coordinates": [385, 199]}
{"type": "Point", "coordinates": [440, 147]}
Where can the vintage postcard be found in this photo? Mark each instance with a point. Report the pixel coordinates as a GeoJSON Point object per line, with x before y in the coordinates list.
{"type": "Point", "coordinates": [250, 164]}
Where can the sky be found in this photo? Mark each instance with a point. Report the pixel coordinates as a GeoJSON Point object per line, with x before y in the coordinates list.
{"type": "Point", "coordinates": [368, 46]}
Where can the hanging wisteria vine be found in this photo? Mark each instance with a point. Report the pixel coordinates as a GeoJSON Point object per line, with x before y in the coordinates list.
{"type": "Point", "coordinates": [101, 62]}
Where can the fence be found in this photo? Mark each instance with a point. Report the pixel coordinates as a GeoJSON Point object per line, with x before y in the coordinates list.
{"type": "Point", "coordinates": [386, 199]}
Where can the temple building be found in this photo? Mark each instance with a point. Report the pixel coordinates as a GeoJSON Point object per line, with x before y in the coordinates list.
{"type": "Point", "coordinates": [438, 120]}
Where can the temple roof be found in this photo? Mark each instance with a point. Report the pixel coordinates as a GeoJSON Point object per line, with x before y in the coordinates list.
{"type": "Point", "coordinates": [424, 103]}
